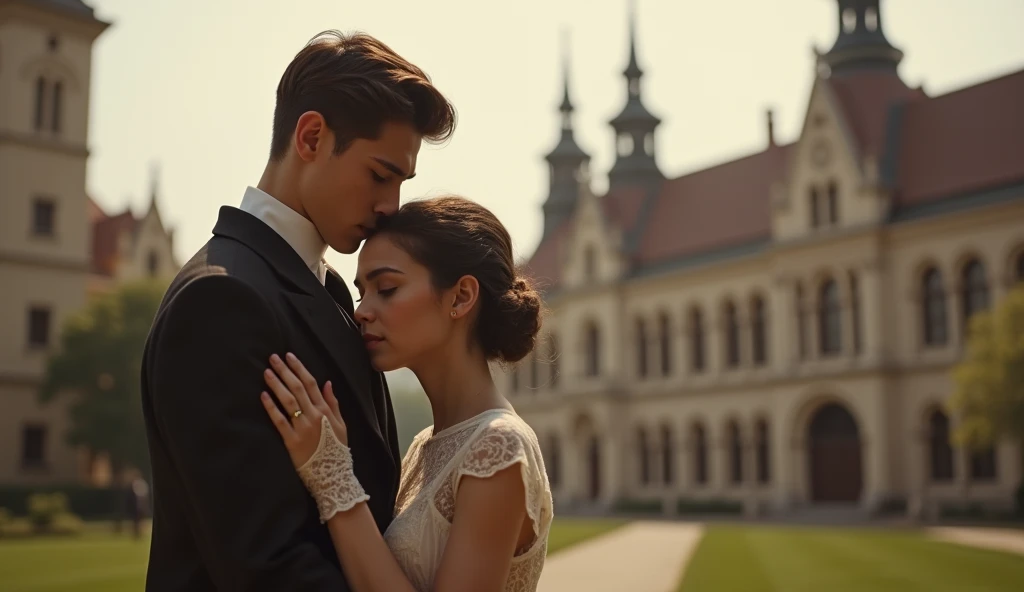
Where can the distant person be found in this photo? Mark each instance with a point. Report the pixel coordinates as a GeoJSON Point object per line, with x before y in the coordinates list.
{"type": "Point", "coordinates": [230, 512]}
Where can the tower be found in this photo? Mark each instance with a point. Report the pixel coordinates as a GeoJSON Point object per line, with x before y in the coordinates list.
{"type": "Point", "coordinates": [861, 44]}
{"type": "Point", "coordinates": [567, 162]}
{"type": "Point", "coordinates": [45, 243]}
{"type": "Point", "coordinates": [635, 162]}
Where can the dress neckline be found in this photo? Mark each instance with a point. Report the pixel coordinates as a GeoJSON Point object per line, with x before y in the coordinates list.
{"type": "Point", "coordinates": [466, 422]}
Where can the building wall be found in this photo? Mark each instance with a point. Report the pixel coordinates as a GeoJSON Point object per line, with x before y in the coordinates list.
{"type": "Point", "coordinates": [889, 385]}
{"type": "Point", "coordinates": [51, 271]}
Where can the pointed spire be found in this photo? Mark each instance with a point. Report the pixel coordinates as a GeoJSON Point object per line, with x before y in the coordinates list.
{"type": "Point", "coordinates": [566, 160]}
{"type": "Point", "coordinates": [154, 182]}
{"type": "Point", "coordinates": [566, 107]}
{"type": "Point", "coordinates": [632, 71]}
{"type": "Point", "coordinates": [634, 126]}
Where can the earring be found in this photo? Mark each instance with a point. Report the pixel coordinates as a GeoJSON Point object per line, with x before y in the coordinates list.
{"type": "Point", "coordinates": [453, 314]}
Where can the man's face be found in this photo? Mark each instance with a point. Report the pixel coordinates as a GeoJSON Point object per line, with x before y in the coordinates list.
{"type": "Point", "coordinates": [344, 194]}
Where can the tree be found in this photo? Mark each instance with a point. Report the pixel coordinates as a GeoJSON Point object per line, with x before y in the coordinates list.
{"type": "Point", "coordinates": [98, 368]}
{"type": "Point", "coordinates": [988, 396]}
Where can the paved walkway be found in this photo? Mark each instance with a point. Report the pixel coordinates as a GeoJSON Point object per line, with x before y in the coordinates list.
{"type": "Point", "coordinates": [640, 557]}
{"type": "Point", "coordinates": [999, 539]}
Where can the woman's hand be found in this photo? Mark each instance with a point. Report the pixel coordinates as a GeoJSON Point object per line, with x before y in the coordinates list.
{"type": "Point", "coordinates": [297, 391]}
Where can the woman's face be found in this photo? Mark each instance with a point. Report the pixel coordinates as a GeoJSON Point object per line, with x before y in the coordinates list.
{"type": "Point", "coordinates": [402, 317]}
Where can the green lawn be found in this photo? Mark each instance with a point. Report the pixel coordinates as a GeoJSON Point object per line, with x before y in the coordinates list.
{"type": "Point", "coordinates": [566, 532]}
{"type": "Point", "coordinates": [98, 561]}
{"type": "Point", "coordinates": [777, 559]}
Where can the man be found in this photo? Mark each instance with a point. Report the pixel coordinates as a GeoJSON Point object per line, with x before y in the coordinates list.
{"type": "Point", "coordinates": [229, 511]}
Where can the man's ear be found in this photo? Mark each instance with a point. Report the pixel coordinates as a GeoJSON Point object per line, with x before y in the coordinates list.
{"type": "Point", "coordinates": [310, 134]}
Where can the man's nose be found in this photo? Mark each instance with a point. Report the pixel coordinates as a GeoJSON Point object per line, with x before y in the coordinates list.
{"type": "Point", "coordinates": [388, 205]}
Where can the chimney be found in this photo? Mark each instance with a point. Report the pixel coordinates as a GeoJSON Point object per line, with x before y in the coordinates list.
{"type": "Point", "coordinates": [771, 128]}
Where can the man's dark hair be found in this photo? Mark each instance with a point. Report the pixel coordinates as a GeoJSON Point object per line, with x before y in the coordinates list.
{"type": "Point", "coordinates": [357, 84]}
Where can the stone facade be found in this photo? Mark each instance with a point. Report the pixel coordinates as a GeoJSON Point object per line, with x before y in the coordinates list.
{"type": "Point", "coordinates": [56, 246]}
{"type": "Point", "coordinates": [777, 332]}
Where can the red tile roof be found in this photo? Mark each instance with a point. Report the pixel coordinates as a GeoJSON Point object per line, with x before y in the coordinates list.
{"type": "Point", "coordinates": [106, 233]}
{"type": "Point", "coordinates": [970, 139]}
{"type": "Point", "coordinates": [723, 205]}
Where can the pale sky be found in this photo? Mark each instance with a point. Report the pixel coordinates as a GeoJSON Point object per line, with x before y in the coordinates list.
{"type": "Point", "coordinates": [190, 84]}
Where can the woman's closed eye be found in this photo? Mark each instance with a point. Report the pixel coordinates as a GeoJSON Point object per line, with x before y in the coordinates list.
{"type": "Point", "coordinates": [383, 293]}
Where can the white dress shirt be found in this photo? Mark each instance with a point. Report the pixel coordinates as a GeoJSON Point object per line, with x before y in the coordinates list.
{"type": "Point", "coordinates": [296, 230]}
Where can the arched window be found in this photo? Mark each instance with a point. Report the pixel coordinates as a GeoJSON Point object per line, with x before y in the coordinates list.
{"type": "Point", "coordinates": [697, 358]}
{"type": "Point", "coordinates": [974, 293]}
{"type": "Point", "coordinates": [732, 335]}
{"type": "Point", "coordinates": [667, 456]}
{"type": "Point", "coordinates": [933, 308]}
{"type": "Point", "coordinates": [830, 320]}
{"type": "Point", "coordinates": [833, 203]}
{"type": "Point", "coordinates": [939, 448]}
{"type": "Point", "coordinates": [758, 331]}
{"type": "Point", "coordinates": [40, 103]}
{"type": "Point", "coordinates": [665, 343]}
{"type": "Point", "coordinates": [592, 339]}
{"type": "Point", "coordinates": [700, 454]}
{"type": "Point", "coordinates": [815, 207]}
{"type": "Point", "coordinates": [855, 312]}
{"type": "Point", "coordinates": [763, 455]}
{"type": "Point", "coordinates": [801, 320]}
{"type": "Point", "coordinates": [644, 456]}
{"type": "Point", "coordinates": [641, 347]}
{"type": "Point", "coordinates": [57, 107]}
{"type": "Point", "coordinates": [735, 444]}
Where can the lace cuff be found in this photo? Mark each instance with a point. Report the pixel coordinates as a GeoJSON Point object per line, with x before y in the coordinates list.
{"type": "Point", "coordinates": [329, 476]}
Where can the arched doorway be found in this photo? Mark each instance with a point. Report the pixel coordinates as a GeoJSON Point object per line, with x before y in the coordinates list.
{"type": "Point", "coordinates": [834, 448]}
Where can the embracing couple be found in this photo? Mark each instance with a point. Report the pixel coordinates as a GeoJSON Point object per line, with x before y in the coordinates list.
{"type": "Point", "coordinates": [275, 456]}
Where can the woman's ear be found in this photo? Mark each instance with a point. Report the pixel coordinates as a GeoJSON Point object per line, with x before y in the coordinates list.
{"type": "Point", "coordinates": [463, 296]}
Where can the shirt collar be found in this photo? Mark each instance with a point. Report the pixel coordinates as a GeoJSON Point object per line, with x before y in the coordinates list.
{"type": "Point", "coordinates": [293, 227]}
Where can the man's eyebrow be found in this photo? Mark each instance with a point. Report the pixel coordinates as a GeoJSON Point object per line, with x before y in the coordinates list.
{"type": "Point", "coordinates": [394, 168]}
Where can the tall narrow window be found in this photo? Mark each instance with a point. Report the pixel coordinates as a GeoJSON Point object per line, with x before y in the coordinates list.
{"type": "Point", "coordinates": [974, 290]}
{"type": "Point", "coordinates": [833, 203]}
{"type": "Point", "coordinates": [641, 347]}
{"type": "Point", "coordinates": [732, 335]}
{"type": "Point", "coordinates": [855, 314]}
{"type": "Point", "coordinates": [830, 319]}
{"type": "Point", "coordinates": [665, 343]}
{"type": "Point", "coordinates": [40, 103]}
{"type": "Point", "coordinates": [697, 359]}
{"type": "Point", "coordinates": [758, 331]}
{"type": "Point", "coordinates": [592, 338]}
{"type": "Point", "coordinates": [933, 308]}
{"type": "Point", "coordinates": [58, 105]}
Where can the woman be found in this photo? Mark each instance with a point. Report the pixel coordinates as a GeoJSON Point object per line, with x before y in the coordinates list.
{"type": "Point", "coordinates": [438, 295]}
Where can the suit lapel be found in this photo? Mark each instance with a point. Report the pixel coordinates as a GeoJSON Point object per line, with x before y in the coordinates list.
{"type": "Point", "coordinates": [333, 328]}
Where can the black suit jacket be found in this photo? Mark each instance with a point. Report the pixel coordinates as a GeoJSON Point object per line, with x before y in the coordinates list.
{"type": "Point", "coordinates": [230, 512]}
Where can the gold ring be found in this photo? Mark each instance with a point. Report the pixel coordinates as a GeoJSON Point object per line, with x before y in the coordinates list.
{"type": "Point", "coordinates": [296, 413]}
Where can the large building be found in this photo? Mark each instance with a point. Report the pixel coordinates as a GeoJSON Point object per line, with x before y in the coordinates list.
{"type": "Point", "coordinates": [56, 245]}
{"type": "Point", "coordinates": [775, 333]}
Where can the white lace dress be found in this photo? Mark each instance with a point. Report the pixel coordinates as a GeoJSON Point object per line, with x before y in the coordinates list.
{"type": "Point", "coordinates": [480, 446]}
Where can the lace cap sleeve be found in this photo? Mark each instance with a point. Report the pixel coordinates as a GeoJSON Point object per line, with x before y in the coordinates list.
{"type": "Point", "coordinates": [503, 443]}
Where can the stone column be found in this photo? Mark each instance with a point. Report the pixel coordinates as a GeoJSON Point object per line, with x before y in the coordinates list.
{"type": "Point", "coordinates": [874, 341]}
{"type": "Point", "coordinates": [782, 337]}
